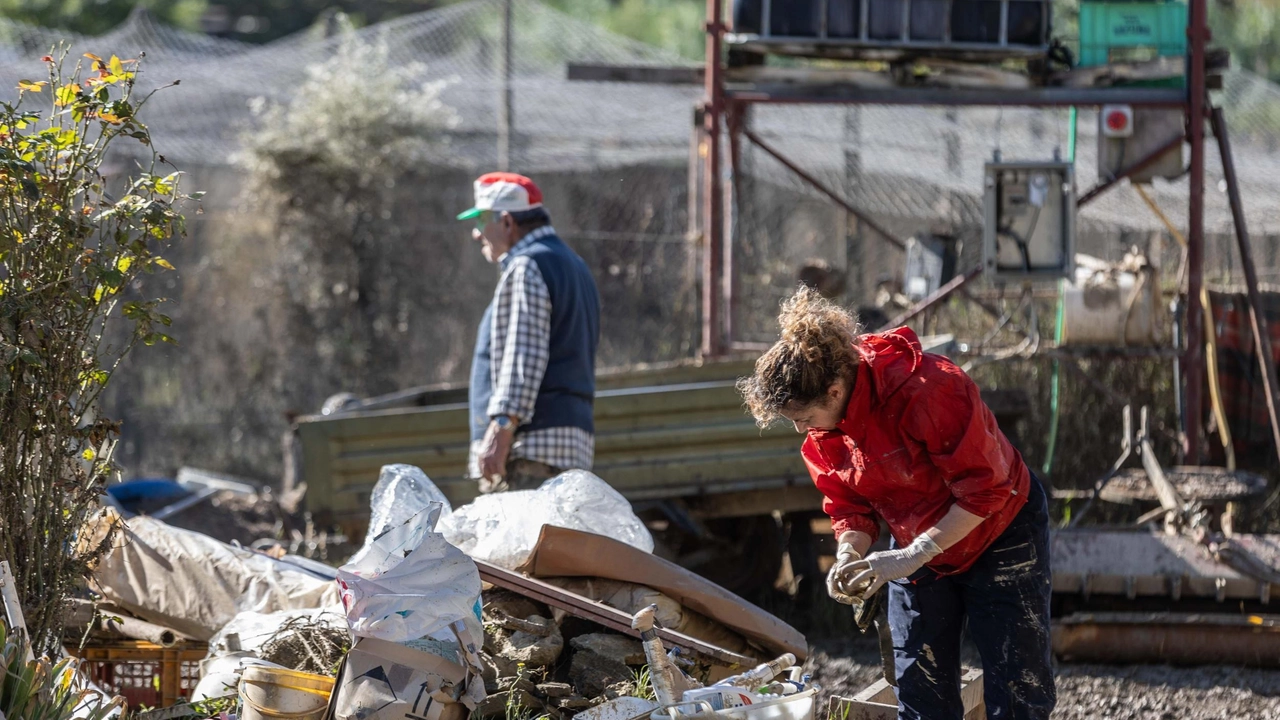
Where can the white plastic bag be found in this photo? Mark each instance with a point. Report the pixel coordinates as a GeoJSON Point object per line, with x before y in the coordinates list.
{"type": "Point", "coordinates": [503, 528]}
{"type": "Point", "coordinates": [410, 583]}
{"type": "Point", "coordinates": [402, 492]}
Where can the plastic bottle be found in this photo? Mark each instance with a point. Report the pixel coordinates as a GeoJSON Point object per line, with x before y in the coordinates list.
{"type": "Point", "coordinates": [662, 672]}
{"type": "Point", "coordinates": [761, 674]}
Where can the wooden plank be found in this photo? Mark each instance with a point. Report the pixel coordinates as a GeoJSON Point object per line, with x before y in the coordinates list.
{"type": "Point", "coordinates": [600, 613]}
{"type": "Point", "coordinates": [879, 701]}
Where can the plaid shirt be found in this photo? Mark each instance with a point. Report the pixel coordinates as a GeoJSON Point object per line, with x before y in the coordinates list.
{"type": "Point", "coordinates": [520, 338]}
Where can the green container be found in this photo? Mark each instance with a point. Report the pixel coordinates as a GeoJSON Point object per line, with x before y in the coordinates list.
{"type": "Point", "coordinates": [1113, 32]}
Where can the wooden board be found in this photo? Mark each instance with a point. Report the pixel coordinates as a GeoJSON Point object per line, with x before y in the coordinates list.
{"type": "Point", "coordinates": [880, 702]}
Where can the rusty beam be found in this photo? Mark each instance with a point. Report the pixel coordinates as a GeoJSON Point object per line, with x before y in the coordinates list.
{"type": "Point", "coordinates": [601, 614]}
{"type": "Point", "coordinates": [942, 293]}
{"type": "Point", "coordinates": [647, 74]}
{"type": "Point", "coordinates": [1257, 320]}
{"type": "Point", "coordinates": [1173, 638]}
{"type": "Point", "coordinates": [1129, 171]}
{"type": "Point", "coordinates": [713, 338]}
{"type": "Point", "coordinates": [1193, 360]}
{"type": "Point", "coordinates": [822, 188]}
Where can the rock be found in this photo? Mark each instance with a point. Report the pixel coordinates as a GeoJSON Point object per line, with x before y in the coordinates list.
{"type": "Point", "coordinates": [512, 604]}
{"type": "Point", "coordinates": [517, 683]}
{"type": "Point", "coordinates": [619, 648]}
{"type": "Point", "coordinates": [573, 702]}
{"type": "Point", "coordinates": [555, 690]}
{"type": "Point", "coordinates": [619, 689]}
{"type": "Point", "coordinates": [510, 649]}
{"type": "Point", "coordinates": [495, 706]}
{"type": "Point", "coordinates": [591, 673]}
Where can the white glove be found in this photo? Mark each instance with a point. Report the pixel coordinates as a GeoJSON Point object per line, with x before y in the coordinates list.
{"type": "Point", "coordinates": [839, 591]}
{"type": "Point", "coordinates": [879, 568]}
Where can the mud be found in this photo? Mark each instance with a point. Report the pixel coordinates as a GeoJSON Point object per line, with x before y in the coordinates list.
{"type": "Point", "coordinates": [1093, 692]}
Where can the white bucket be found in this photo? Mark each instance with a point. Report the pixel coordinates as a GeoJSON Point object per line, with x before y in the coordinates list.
{"type": "Point", "coordinates": [272, 693]}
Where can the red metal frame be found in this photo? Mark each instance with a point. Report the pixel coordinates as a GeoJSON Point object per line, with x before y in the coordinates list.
{"type": "Point", "coordinates": [718, 290]}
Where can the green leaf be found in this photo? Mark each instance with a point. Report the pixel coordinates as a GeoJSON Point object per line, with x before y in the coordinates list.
{"type": "Point", "coordinates": [67, 94]}
{"type": "Point", "coordinates": [32, 86]}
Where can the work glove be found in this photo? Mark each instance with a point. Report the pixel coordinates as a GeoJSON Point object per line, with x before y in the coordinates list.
{"type": "Point", "coordinates": [839, 591]}
{"type": "Point", "coordinates": [879, 568]}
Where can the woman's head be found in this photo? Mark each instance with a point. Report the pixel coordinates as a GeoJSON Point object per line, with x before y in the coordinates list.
{"type": "Point", "coordinates": [807, 375]}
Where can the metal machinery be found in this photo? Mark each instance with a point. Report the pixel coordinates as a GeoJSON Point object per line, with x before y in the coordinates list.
{"type": "Point", "coordinates": [1124, 594]}
{"type": "Point", "coordinates": [1029, 220]}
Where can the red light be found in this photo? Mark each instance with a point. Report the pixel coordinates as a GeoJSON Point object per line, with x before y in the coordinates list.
{"type": "Point", "coordinates": [1117, 120]}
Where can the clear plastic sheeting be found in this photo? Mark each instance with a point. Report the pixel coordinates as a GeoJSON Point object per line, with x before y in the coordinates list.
{"type": "Point", "coordinates": [503, 528]}
{"type": "Point", "coordinates": [402, 492]}
{"type": "Point", "coordinates": [410, 583]}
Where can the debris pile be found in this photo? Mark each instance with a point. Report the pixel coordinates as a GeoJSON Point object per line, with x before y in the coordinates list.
{"type": "Point", "coordinates": [479, 610]}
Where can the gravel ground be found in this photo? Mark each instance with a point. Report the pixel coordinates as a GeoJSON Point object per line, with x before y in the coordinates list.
{"type": "Point", "coordinates": [1101, 692]}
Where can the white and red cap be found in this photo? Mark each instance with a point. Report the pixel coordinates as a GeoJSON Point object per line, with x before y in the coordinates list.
{"type": "Point", "coordinates": [504, 192]}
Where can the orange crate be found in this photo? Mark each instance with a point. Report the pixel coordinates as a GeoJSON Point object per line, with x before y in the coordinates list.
{"type": "Point", "coordinates": [144, 673]}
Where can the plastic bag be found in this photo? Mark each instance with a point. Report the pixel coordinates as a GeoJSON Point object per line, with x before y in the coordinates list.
{"type": "Point", "coordinates": [402, 492]}
{"type": "Point", "coordinates": [503, 528]}
{"type": "Point", "coordinates": [410, 583]}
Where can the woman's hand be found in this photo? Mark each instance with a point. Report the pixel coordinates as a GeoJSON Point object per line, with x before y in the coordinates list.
{"type": "Point", "coordinates": [879, 568]}
{"type": "Point", "coordinates": [842, 570]}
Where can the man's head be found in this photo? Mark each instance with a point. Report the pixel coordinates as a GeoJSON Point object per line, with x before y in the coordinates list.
{"type": "Point", "coordinates": [508, 206]}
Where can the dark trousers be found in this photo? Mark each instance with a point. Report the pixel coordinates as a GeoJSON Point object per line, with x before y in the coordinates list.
{"type": "Point", "coordinates": [1005, 599]}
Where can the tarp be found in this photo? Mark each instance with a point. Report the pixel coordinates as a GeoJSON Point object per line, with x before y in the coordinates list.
{"type": "Point", "coordinates": [570, 553]}
{"type": "Point", "coordinates": [192, 583]}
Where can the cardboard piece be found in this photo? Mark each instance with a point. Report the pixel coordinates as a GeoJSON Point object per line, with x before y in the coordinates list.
{"type": "Point", "coordinates": [382, 680]}
{"type": "Point", "coordinates": [561, 552]}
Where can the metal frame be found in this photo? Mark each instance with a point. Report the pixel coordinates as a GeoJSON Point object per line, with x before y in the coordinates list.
{"type": "Point", "coordinates": [723, 99]}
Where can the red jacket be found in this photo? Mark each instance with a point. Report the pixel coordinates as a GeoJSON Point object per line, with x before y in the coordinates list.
{"type": "Point", "coordinates": [915, 439]}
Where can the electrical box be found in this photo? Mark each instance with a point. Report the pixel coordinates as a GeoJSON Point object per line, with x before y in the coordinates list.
{"type": "Point", "coordinates": [1148, 129]}
{"type": "Point", "coordinates": [1029, 220]}
{"type": "Point", "coordinates": [1113, 31]}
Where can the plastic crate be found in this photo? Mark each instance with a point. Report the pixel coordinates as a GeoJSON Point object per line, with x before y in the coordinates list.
{"type": "Point", "coordinates": [1131, 31]}
{"type": "Point", "coordinates": [143, 673]}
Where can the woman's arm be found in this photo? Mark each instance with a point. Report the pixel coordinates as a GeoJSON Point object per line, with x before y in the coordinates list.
{"type": "Point", "coordinates": [953, 527]}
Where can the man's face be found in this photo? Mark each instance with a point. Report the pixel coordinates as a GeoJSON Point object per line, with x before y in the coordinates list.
{"type": "Point", "coordinates": [496, 233]}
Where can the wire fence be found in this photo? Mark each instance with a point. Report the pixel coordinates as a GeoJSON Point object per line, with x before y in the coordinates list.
{"type": "Point", "coordinates": [268, 328]}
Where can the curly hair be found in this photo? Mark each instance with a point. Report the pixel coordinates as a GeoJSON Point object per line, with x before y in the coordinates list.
{"type": "Point", "coordinates": [816, 348]}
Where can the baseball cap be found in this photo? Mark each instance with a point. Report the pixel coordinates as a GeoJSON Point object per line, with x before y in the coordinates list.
{"type": "Point", "coordinates": [504, 192]}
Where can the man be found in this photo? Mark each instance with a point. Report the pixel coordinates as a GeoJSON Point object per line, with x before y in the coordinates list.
{"type": "Point", "coordinates": [533, 373]}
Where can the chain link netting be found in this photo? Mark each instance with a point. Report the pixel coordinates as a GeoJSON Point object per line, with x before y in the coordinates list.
{"type": "Point", "coordinates": [614, 162]}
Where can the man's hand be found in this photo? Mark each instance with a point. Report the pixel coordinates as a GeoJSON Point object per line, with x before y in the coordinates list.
{"type": "Point", "coordinates": [879, 568]}
{"type": "Point", "coordinates": [837, 588]}
{"type": "Point", "coordinates": [494, 450]}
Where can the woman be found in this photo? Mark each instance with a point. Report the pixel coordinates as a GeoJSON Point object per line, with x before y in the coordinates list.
{"type": "Point", "coordinates": [899, 435]}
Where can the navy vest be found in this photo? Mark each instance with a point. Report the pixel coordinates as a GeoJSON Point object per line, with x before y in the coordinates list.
{"type": "Point", "coordinates": [569, 385]}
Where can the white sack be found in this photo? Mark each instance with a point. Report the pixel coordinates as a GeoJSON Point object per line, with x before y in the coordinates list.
{"type": "Point", "coordinates": [192, 583]}
{"type": "Point", "coordinates": [411, 583]}
{"type": "Point", "coordinates": [503, 528]}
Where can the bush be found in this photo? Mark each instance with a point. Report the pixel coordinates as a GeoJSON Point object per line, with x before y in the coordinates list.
{"type": "Point", "coordinates": [73, 243]}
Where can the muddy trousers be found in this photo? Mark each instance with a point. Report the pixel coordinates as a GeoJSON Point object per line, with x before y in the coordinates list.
{"type": "Point", "coordinates": [1004, 598]}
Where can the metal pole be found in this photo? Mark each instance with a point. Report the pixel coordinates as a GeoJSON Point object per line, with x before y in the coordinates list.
{"type": "Point", "coordinates": [735, 120]}
{"type": "Point", "coordinates": [941, 294]}
{"type": "Point", "coordinates": [1097, 190]}
{"type": "Point", "coordinates": [817, 185]}
{"type": "Point", "coordinates": [713, 199]}
{"type": "Point", "coordinates": [1193, 362]}
{"type": "Point", "coordinates": [1257, 320]}
{"type": "Point", "coordinates": [506, 116]}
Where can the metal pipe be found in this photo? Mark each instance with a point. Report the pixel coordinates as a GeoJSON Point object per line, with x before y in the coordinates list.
{"type": "Point", "coordinates": [1137, 167]}
{"type": "Point", "coordinates": [1257, 320]}
{"type": "Point", "coordinates": [713, 200]}
{"type": "Point", "coordinates": [820, 187]}
{"type": "Point", "coordinates": [847, 93]}
{"type": "Point", "coordinates": [941, 294]}
{"type": "Point", "coordinates": [1187, 640]}
{"type": "Point", "coordinates": [506, 110]}
{"type": "Point", "coordinates": [1193, 362]}
{"type": "Point", "coordinates": [735, 120]}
